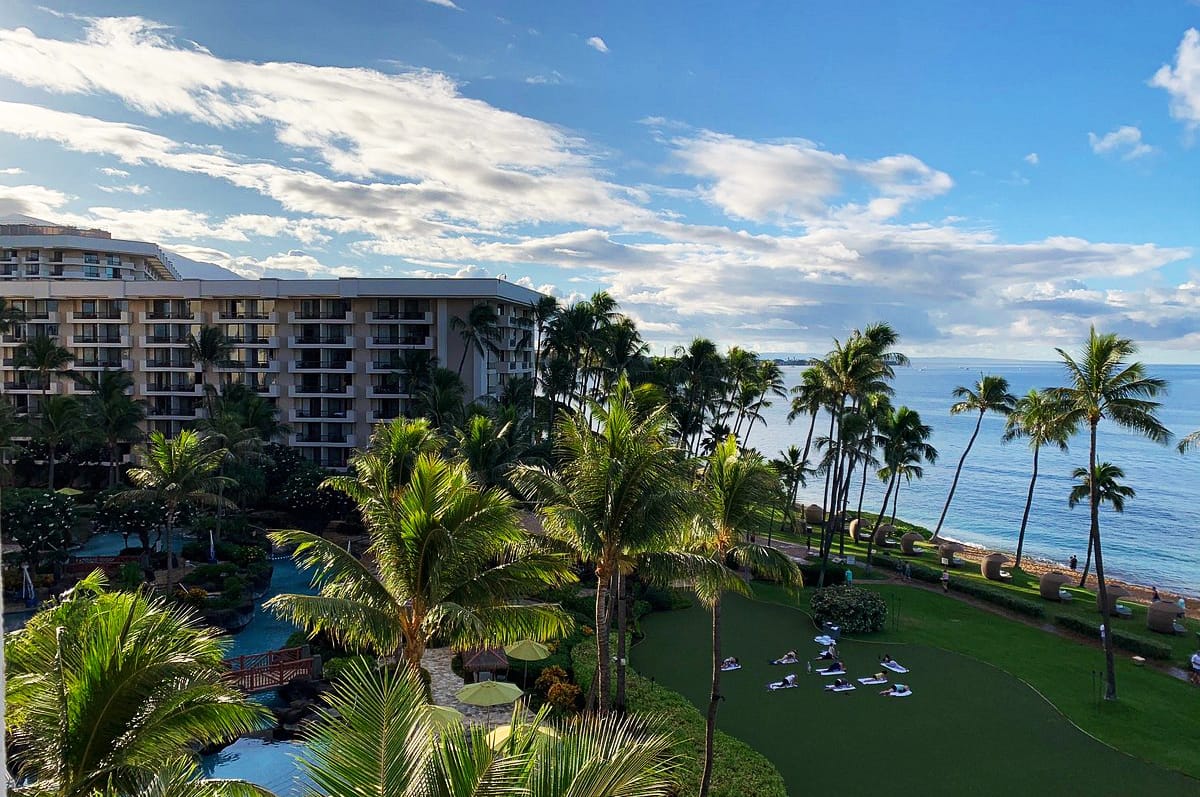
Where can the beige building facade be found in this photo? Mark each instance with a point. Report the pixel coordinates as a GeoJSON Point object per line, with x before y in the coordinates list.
{"type": "Point", "coordinates": [332, 354]}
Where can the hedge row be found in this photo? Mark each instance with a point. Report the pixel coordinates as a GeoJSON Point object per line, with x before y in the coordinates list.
{"type": "Point", "coordinates": [1150, 648]}
{"type": "Point", "coordinates": [738, 769]}
{"type": "Point", "coordinates": [998, 596]}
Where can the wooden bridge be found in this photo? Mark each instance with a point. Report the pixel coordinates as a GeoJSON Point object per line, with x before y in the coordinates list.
{"type": "Point", "coordinates": [258, 672]}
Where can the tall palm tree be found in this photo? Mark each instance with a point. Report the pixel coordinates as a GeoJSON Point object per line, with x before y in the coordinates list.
{"type": "Point", "coordinates": [1102, 383]}
{"type": "Point", "coordinates": [904, 441]}
{"type": "Point", "coordinates": [451, 561]}
{"type": "Point", "coordinates": [387, 463]}
{"type": "Point", "coordinates": [479, 331]}
{"type": "Point", "coordinates": [113, 417]}
{"type": "Point", "coordinates": [793, 473]}
{"type": "Point", "coordinates": [769, 382]}
{"type": "Point", "coordinates": [211, 349]}
{"type": "Point", "coordinates": [109, 692]}
{"type": "Point", "coordinates": [490, 449]}
{"type": "Point", "coordinates": [735, 491]}
{"type": "Point", "coordinates": [989, 394]}
{"type": "Point", "coordinates": [61, 422]}
{"type": "Point", "coordinates": [614, 490]}
{"type": "Point", "coordinates": [178, 472]}
{"type": "Point", "coordinates": [378, 738]}
{"type": "Point", "coordinates": [1109, 490]}
{"type": "Point", "coordinates": [700, 371]}
{"type": "Point", "coordinates": [238, 442]}
{"type": "Point", "coordinates": [44, 355]}
{"type": "Point", "coordinates": [442, 399]}
{"type": "Point", "coordinates": [1037, 417]}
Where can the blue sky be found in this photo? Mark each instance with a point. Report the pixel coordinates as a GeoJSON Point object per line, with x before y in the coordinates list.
{"type": "Point", "coordinates": [990, 180]}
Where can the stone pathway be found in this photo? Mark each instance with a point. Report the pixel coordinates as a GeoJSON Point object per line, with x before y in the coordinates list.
{"type": "Point", "coordinates": [444, 685]}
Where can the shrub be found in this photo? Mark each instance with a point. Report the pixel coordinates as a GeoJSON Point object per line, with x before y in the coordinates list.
{"type": "Point", "coordinates": [40, 522]}
{"type": "Point", "coordinates": [1131, 643]}
{"type": "Point", "coordinates": [549, 678]}
{"type": "Point", "coordinates": [334, 668]}
{"type": "Point", "coordinates": [856, 610]}
{"type": "Point", "coordinates": [564, 697]}
{"type": "Point", "coordinates": [999, 596]}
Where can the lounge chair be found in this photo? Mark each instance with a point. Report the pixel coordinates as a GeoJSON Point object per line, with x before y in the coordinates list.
{"type": "Point", "coordinates": [908, 544]}
{"type": "Point", "coordinates": [1160, 618]}
{"type": "Point", "coordinates": [855, 530]}
{"type": "Point", "coordinates": [947, 551]}
{"type": "Point", "coordinates": [814, 515]}
{"type": "Point", "coordinates": [1114, 593]}
{"type": "Point", "coordinates": [883, 536]}
{"type": "Point", "coordinates": [990, 566]}
{"type": "Point", "coordinates": [1050, 587]}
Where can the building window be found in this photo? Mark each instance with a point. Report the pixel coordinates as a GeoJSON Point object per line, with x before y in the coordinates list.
{"type": "Point", "coordinates": [33, 256]}
{"type": "Point", "coordinates": [91, 259]}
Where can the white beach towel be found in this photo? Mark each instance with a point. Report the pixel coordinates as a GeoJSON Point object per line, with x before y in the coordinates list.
{"type": "Point", "coordinates": [894, 666]}
{"type": "Point", "coordinates": [828, 671]}
{"type": "Point", "coordinates": [900, 694]}
{"type": "Point", "coordinates": [785, 661]}
{"type": "Point", "coordinates": [842, 688]}
{"type": "Point", "coordinates": [872, 681]}
{"type": "Point", "coordinates": [731, 667]}
{"type": "Point", "coordinates": [824, 640]}
{"type": "Point", "coordinates": [777, 686]}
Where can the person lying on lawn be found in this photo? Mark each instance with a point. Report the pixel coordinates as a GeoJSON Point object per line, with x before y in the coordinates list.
{"type": "Point", "coordinates": [788, 680]}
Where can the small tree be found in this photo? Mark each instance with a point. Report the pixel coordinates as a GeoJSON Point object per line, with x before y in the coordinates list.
{"type": "Point", "coordinates": [40, 521]}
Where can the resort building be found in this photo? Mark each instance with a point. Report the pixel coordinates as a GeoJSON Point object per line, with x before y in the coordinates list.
{"type": "Point", "coordinates": [333, 354]}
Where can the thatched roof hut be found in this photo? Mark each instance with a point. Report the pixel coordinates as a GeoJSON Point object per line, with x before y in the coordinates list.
{"type": "Point", "coordinates": [989, 567]}
{"type": "Point", "coordinates": [908, 543]}
{"type": "Point", "coordinates": [883, 535]}
{"type": "Point", "coordinates": [491, 660]}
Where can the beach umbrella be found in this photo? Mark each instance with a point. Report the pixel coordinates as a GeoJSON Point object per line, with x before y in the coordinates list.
{"type": "Point", "coordinates": [71, 491]}
{"type": "Point", "coordinates": [212, 547]}
{"type": "Point", "coordinates": [489, 693]}
{"type": "Point", "coordinates": [497, 737]}
{"type": "Point", "coordinates": [527, 650]}
{"type": "Point", "coordinates": [445, 716]}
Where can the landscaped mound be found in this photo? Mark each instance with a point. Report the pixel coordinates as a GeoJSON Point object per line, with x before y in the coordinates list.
{"type": "Point", "coordinates": [856, 610]}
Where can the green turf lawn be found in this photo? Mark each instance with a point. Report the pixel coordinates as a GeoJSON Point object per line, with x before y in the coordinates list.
{"type": "Point", "coordinates": [970, 727]}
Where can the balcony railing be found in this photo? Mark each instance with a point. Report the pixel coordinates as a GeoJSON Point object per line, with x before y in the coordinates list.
{"type": "Point", "coordinates": [176, 388]}
{"type": "Point", "coordinates": [345, 316]}
{"type": "Point", "coordinates": [320, 390]}
{"type": "Point", "coordinates": [321, 365]}
{"type": "Point", "coordinates": [327, 416]}
{"type": "Point", "coordinates": [321, 340]}
{"type": "Point", "coordinates": [388, 316]}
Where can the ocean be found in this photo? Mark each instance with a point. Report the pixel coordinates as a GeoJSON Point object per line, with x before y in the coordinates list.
{"type": "Point", "coordinates": [1155, 542]}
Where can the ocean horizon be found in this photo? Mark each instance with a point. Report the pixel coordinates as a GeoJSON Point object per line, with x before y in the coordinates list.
{"type": "Point", "coordinates": [1154, 542]}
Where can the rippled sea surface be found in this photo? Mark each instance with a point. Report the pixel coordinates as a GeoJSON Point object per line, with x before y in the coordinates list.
{"type": "Point", "coordinates": [1155, 542]}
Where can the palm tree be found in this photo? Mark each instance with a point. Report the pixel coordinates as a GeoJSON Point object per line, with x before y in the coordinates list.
{"type": "Point", "coordinates": [211, 349]}
{"type": "Point", "coordinates": [377, 738]}
{"type": "Point", "coordinates": [61, 423]}
{"type": "Point", "coordinates": [178, 471]}
{"type": "Point", "coordinates": [44, 355]}
{"type": "Point", "coordinates": [989, 394]}
{"type": "Point", "coordinates": [238, 441]}
{"type": "Point", "coordinates": [451, 561]}
{"type": "Point", "coordinates": [109, 692]}
{"type": "Point", "coordinates": [1190, 441]}
{"type": "Point", "coordinates": [614, 490]}
{"type": "Point", "coordinates": [1103, 384]}
{"type": "Point", "coordinates": [769, 381]}
{"type": "Point", "coordinates": [442, 399]}
{"type": "Point", "coordinates": [490, 449]}
{"type": "Point", "coordinates": [479, 331]}
{"type": "Point", "coordinates": [700, 371]}
{"type": "Point", "coordinates": [793, 472]}
{"type": "Point", "coordinates": [1039, 418]}
{"type": "Point", "coordinates": [112, 416]}
{"type": "Point", "coordinates": [904, 442]}
{"type": "Point", "coordinates": [735, 491]}
{"type": "Point", "coordinates": [388, 461]}
{"type": "Point", "coordinates": [1108, 490]}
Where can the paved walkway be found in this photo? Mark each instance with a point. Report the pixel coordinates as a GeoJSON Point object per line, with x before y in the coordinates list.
{"type": "Point", "coordinates": [444, 685]}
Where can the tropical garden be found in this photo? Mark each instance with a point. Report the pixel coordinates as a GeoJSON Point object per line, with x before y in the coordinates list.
{"type": "Point", "coordinates": [563, 511]}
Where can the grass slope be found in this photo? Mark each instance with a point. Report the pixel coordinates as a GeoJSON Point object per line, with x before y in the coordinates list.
{"type": "Point", "coordinates": [970, 727]}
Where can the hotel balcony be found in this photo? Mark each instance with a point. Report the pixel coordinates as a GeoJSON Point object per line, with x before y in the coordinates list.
{"type": "Point", "coordinates": [383, 416]}
{"type": "Point", "coordinates": [254, 342]}
{"type": "Point", "coordinates": [256, 316]}
{"type": "Point", "coordinates": [317, 391]}
{"type": "Point", "coordinates": [386, 391]}
{"type": "Point", "coordinates": [266, 390]}
{"type": "Point", "coordinates": [323, 416]}
{"type": "Point", "coordinates": [147, 341]}
{"type": "Point", "coordinates": [399, 342]}
{"type": "Point", "coordinates": [321, 342]}
{"type": "Point", "coordinates": [175, 413]}
{"type": "Point", "coordinates": [321, 317]}
{"type": "Point", "coordinates": [399, 318]}
{"type": "Point", "coordinates": [320, 367]}
{"type": "Point", "coordinates": [384, 366]}
{"type": "Point", "coordinates": [168, 365]}
{"type": "Point", "coordinates": [103, 365]}
{"type": "Point", "coordinates": [156, 317]}
{"type": "Point", "coordinates": [340, 440]}
{"type": "Point", "coordinates": [511, 367]}
{"type": "Point", "coordinates": [255, 367]}
{"type": "Point", "coordinates": [25, 388]}
{"type": "Point", "coordinates": [173, 389]}
{"type": "Point", "coordinates": [98, 340]}
{"type": "Point", "coordinates": [97, 317]}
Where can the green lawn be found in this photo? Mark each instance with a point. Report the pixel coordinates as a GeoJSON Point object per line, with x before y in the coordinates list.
{"type": "Point", "coordinates": [971, 726]}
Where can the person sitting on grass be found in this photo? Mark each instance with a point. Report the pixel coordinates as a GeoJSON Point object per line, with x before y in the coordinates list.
{"type": "Point", "coordinates": [887, 659]}
{"type": "Point", "coordinates": [837, 666]}
{"type": "Point", "coordinates": [828, 654]}
{"type": "Point", "coordinates": [786, 658]}
{"type": "Point", "coordinates": [896, 689]}
{"type": "Point", "coordinates": [730, 663]}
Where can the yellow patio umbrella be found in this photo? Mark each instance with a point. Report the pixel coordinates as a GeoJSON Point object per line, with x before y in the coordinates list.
{"type": "Point", "coordinates": [445, 716]}
{"type": "Point", "coordinates": [499, 735]}
{"type": "Point", "coordinates": [527, 650]}
{"type": "Point", "coordinates": [489, 693]}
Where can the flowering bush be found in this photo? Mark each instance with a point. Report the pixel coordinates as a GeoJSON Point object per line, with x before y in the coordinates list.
{"type": "Point", "coordinates": [40, 522]}
{"type": "Point", "coordinates": [550, 677]}
{"type": "Point", "coordinates": [856, 610]}
{"type": "Point", "coordinates": [564, 697]}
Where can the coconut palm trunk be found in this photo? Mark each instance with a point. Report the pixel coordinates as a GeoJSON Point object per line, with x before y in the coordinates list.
{"type": "Point", "coordinates": [957, 472]}
{"type": "Point", "coordinates": [714, 699]}
{"type": "Point", "coordinates": [603, 657]}
{"type": "Point", "coordinates": [1110, 673]}
{"type": "Point", "coordinates": [622, 621]}
{"type": "Point", "coordinates": [1028, 504]}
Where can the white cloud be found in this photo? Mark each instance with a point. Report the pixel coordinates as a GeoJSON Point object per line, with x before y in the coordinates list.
{"type": "Point", "coordinates": [445, 4]}
{"type": "Point", "coordinates": [111, 172]}
{"type": "Point", "coordinates": [1182, 81]}
{"type": "Point", "coordinates": [12, 170]}
{"type": "Point", "coordinates": [1032, 159]}
{"type": "Point", "coordinates": [597, 44]}
{"type": "Point", "coordinates": [31, 200]}
{"type": "Point", "coordinates": [132, 188]}
{"type": "Point", "coordinates": [1126, 140]}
